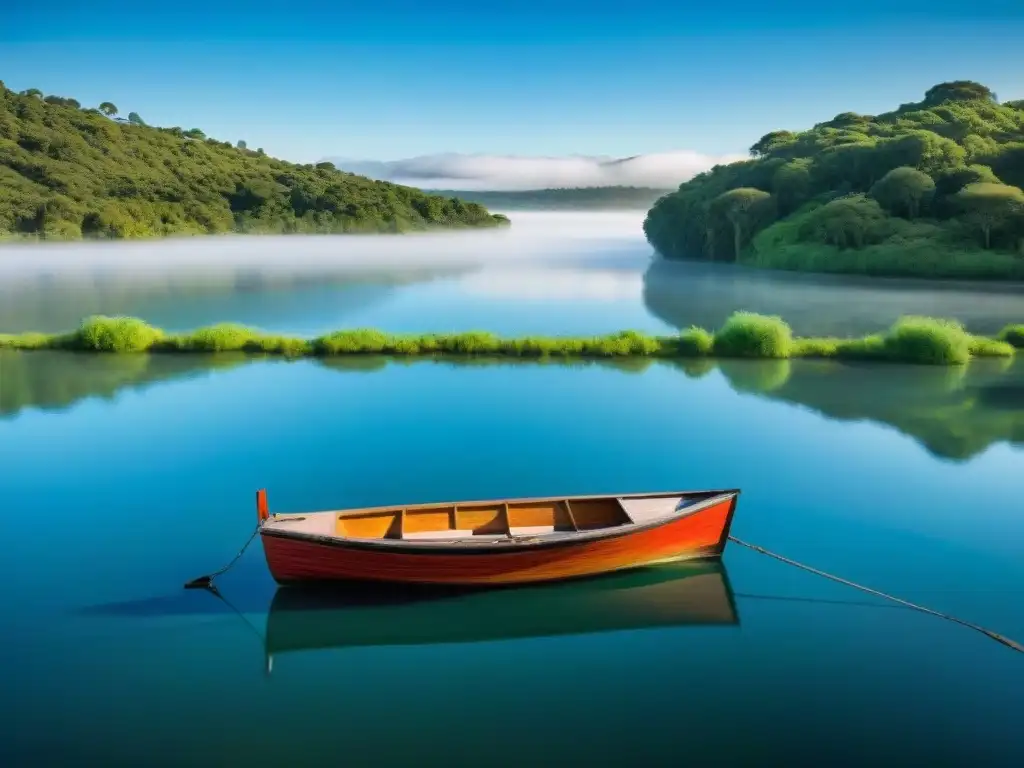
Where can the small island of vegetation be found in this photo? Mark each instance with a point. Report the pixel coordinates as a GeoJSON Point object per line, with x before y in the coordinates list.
{"type": "Point", "coordinates": [744, 335]}
{"type": "Point", "coordinates": [932, 189]}
{"type": "Point", "coordinates": [67, 173]}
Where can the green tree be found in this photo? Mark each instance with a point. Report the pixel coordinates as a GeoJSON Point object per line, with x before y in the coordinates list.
{"type": "Point", "coordinates": [850, 167]}
{"type": "Point", "coordinates": [952, 180]}
{"type": "Point", "coordinates": [194, 133]}
{"type": "Point", "coordinates": [241, 144]}
{"type": "Point", "coordinates": [771, 142]}
{"type": "Point", "coordinates": [923, 150]}
{"type": "Point", "coordinates": [847, 222]}
{"type": "Point", "coordinates": [958, 90]}
{"type": "Point", "coordinates": [791, 184]}
{"type": "Point", "coordinates": [904, 191]}
{"type": "Point", "coordinates": [108, 109]}
{"type": "Point", "coordinates": [1007, 162]}
{"type": "Point", "coordinates": [33, 92]}
{"type": "Point", "coordinates": [135, 119]}
{"type": "Point", "coordinates": [62, 102]}
{"type": "Point", "coordinates": [744, 208]}
{"type": "Point", "coordinates": [849, 120]}
{"type": "Point", "coordinates": [991, 207]}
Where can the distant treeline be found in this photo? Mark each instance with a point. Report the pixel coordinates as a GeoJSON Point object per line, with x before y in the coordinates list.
{"type": "Point", "coordinates": [569, 198]}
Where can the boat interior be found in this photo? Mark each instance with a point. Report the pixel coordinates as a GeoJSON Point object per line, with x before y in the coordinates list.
{"type": "Point", "coordinates": [489, 521]}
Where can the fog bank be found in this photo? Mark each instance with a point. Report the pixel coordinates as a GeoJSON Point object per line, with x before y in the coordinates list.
{"type": "Point", "coordinates": [533, 237]}
{"type": "Point", "coordinates": [662, 170]}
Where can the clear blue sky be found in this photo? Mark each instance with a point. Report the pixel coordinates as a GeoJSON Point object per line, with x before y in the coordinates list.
{"type": "Point", "coordinates": [390, 80]}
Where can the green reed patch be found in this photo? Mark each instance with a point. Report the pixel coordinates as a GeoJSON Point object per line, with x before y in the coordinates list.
{"type": "Point", "coordinates": [693, 342]}
{"type": "Point", "coordinates": [224, 337]}
{"type": "Point", "coordinates": [27, 341]}
{"type": "Point", "coordinates": [985, 347]}
{"type": "Point", "coordinates": [1013, 335]}
{"type": "Point", "coordinates": [744, 335]}
{"type": "Point", "coordinates": [928, 340]}
{"type": "Point", "coordinates": [866, 348]}
{"type": "Point", "coordinates": [115, 334]}
{"type": "Point", "coordinates": [821, 347]}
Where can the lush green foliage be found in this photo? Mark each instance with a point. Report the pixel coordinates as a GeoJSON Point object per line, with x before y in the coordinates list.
{"type": "Point", "coordinates": [695, 342]}
{"type": "Point", "coordinates": [570, 198]}
{"type": "Point", "coordinates": [983, 347]}
{"type": "Point", "coordinates": [748, 335]}
{"type": "Point", "coordinates": [1013, 335]}
{"type": "Point", "coordinates": [925, 340]}
{"type": "Point", "coordinates": [743, 335]}
{"type": "Point", "coordinates": [68, 173]}
{"type": "Point", "coordinates": [930, 189]}
{"type": "Point", "coordinates": [115, 334]}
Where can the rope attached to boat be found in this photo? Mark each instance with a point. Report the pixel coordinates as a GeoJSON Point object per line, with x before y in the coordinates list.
{"type": "Point", "coordinates": [206, 582]}
{"type": "Point", "coordinates": [989, 633]}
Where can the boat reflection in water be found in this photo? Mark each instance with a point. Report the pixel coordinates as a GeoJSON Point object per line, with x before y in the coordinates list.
{"type": "Point", "coordinates": [342, 616]}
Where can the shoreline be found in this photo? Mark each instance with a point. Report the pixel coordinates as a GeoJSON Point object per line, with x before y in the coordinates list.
{"type": "Point", "coordinates": [744, 335]}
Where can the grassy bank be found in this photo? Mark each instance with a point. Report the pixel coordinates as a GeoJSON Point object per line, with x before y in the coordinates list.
{"type": "Point", "coordinates": [744, 335]}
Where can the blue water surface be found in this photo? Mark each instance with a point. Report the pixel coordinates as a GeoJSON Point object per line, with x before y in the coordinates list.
{"type": "Point", "coordinates": [111, 504]}
{"type": "Point", "coordinates": [124, 476]}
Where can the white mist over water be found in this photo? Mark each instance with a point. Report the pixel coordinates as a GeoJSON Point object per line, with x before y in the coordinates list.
{"type": "Point", "coordinates": [309, 284]}
{"type": "Point", "coordinates": [533, 237]}
{"type": "Point", "coordinates": [661, 170]}
{"type": "Point", "coordinates": [555, 283]}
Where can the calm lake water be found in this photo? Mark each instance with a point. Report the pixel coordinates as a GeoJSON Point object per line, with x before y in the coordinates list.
{"type": "Point", "coordinates": [125, 476]}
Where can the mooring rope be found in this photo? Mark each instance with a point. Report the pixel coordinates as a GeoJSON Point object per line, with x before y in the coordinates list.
{"type": "Point", "coordinates": [989, 633]}
{"type": "Point", "coordinates": [206, 582]}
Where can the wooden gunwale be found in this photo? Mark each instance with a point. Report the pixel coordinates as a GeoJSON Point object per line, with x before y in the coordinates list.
{"type": "Point", "coordinates": [523, 500]}
{"type": "Point", "coordinates": [567, 539]}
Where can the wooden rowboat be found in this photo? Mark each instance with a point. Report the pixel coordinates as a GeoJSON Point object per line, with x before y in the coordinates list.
{"type": "Point", "coordinates": [669, 595]}
{"type": "Point", "coordinates": [509, 541]}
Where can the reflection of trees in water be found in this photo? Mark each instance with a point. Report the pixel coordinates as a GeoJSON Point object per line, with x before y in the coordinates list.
{"type": "Point", "coordinates": [698, 293]}
{"type": "Point", "coordinates": [58, 380]}
{"type": "Point", "coordinates": [955, 412]}
{"type": "Point", "coordinates": [52, 303]}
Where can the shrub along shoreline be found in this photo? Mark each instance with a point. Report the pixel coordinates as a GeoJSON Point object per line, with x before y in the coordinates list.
{"type": "Point", "coordinates": [744, 335]}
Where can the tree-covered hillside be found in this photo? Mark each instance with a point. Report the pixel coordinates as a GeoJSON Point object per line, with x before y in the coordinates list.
{"type": "Point", "coordinates": [68, 172]}
{"type": "Point", "coordinates": [562, 199]}
{"type": "Point", "coordinates": [931, 189]}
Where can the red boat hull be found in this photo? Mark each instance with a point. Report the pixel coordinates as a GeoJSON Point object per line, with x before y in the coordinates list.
{"type": "Point", "coordinates": [701, 534]}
